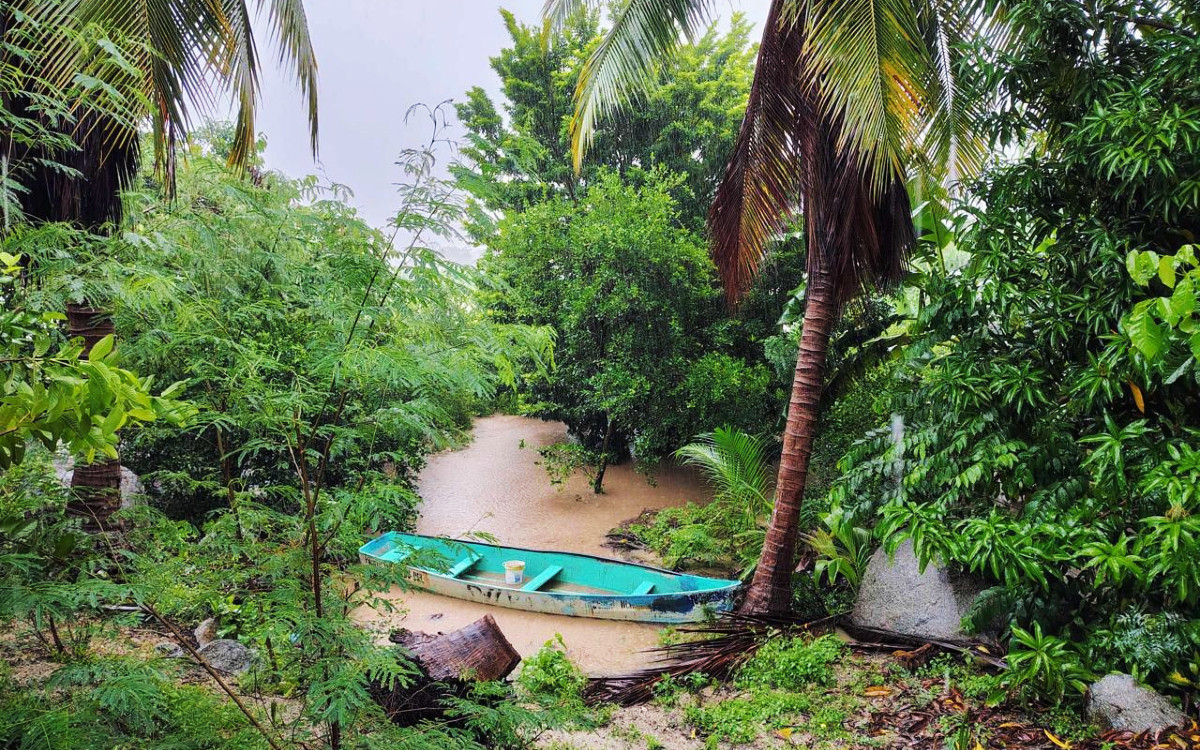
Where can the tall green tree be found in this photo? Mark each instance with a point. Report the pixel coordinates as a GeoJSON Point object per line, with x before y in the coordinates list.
{"type": "Point", "coordinates": [848, 99]}
{"type": "Point", "coordinates": [642, 361]}
{"type": "Point", "coordinates": [518, 152]}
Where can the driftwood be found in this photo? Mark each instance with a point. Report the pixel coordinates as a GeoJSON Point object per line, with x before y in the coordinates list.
{"type": "Point", "coordinates": [478, 651]}
{"type": "Point", "coordinates": [448, 663]}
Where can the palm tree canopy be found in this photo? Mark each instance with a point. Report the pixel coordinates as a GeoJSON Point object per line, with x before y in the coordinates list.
{"type": "Point", "coordinates": [883, 78]}
{"type": "Point", "coordinates": [163, 56]}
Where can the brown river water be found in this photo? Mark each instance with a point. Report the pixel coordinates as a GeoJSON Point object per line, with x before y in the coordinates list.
{"type": "Point", "coordinates": [494, 485]}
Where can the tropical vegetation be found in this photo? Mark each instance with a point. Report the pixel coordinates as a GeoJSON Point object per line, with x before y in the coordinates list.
{"type": "Point", "coordinates": [940, 263]}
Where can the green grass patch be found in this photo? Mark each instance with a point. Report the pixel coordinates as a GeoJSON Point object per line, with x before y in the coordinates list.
{"type": "Point", "coordinates": [795, 663]}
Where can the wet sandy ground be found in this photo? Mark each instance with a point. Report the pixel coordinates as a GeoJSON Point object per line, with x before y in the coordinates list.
{"type": "Point", "coordinates": [494, 486]}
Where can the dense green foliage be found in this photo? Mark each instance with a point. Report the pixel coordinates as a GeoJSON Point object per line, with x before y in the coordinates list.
{"type": "Point", "coordinates": [640, 334]}
{"type": "Point", "coordinates": [273, 309]}
{"type": "Point", "coordinates": [1050, 399]}
{"type": "Point", "coordinates": [52, 393]}
{"type": "Point", "coordinates": [324, 364]}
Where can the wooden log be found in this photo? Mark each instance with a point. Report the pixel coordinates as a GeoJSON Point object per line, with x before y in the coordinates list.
{"type": "Point", "coordinates": [448, 664]}
{"type": "Point", "coordinates": [478, 651]}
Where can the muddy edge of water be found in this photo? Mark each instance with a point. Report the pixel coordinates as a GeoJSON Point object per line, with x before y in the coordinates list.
{"type": "Point", "coordinates": [494, 485]}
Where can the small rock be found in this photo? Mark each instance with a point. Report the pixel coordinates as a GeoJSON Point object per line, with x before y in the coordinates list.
{"type": "Point", "coordinates": [896, 596]}
{"type": "Point", "coordinates": [1118, 702]}
{"type": "Point", "coordinates": [169, 650]}
{"type": "Point", "coordinates": [206, 632]}
{"type": "Point", "coordinates": [227, 655]}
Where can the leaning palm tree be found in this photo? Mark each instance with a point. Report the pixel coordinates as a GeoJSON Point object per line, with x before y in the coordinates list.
{"type": "Point", "coordinates": [145, 62]}
{"type": "Point", "coordinates": [851, 99]}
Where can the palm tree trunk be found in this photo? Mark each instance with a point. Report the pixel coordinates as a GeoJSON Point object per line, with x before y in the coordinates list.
{"type": "Point", "coordinates": [95, 487]}
{"type": "Point", "coordinates": [771, 588]}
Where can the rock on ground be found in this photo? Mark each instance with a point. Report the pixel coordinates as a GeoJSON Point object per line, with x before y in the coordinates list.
{"type": "Point", "coordinates": [206, 632]}
{"type": "Point", "coordinates": [1118, 702]}
{"type": "Point", "coordinates": [895, 595]}
{"type": "Point", "coordinates": [169, 650]}
{"type": "Point", "coordinates": [227, 655]}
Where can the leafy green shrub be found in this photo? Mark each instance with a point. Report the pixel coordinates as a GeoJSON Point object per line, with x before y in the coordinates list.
{"type": "Point", "coordinates": [669, 689]}
{"type": "Point", "coordinates": [1044, 665]}
{"type": "Point", "coordinates": [642, 355]}
{"type": "Point", "coordinates": [792, 663]}
{"type": "Point", "coordinates": [104, 703]}
{"type": "Point", "coordinates": [550, 676]}
{"type": "Point", "coordinates": [728, 530]}
{"type": "Point", "coordinates": [843, 549]}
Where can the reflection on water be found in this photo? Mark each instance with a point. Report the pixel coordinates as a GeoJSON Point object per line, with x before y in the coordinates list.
{"type": "Point", "coordinates": [495, 486]}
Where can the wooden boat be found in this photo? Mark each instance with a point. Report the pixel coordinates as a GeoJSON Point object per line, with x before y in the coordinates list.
{"type": "Point", "coordinates": [560, 583]}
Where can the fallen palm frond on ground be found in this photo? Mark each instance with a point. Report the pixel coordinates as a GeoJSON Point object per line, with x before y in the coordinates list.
{"type": "Point", "coordinates": [719, 648]}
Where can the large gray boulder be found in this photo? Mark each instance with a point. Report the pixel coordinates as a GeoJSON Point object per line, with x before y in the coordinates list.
{"type": "Point", "coordinates": [226, 655]}
{"type": "Point", "coordinates": [1118, 702]}
{"type": "Point", "coordinates": [896, 596]}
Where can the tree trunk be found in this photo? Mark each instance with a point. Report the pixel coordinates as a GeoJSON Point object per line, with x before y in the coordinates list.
{"type": "Point", "coordinates": [598, 484]}
{"type": "Point", "coordinates": [771, 588]}
{"type": "Point", "coordinates": [448, 662]}
{"type": "Point", "coordinates": [96, 487]}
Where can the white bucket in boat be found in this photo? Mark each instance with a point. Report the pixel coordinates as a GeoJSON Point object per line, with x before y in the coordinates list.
{"type": "Point", "coordinates": [514, 571]}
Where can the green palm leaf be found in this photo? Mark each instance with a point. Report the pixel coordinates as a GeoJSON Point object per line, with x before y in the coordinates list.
{"type": "Point", "coordinates": [180, 53]}
{"type": "Point", "coordinates": [873, 65]}
{"type": "Point", "coordinates": [643, 32]}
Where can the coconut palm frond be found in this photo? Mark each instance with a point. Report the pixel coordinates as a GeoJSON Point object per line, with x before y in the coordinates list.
{"type": "Point", "coordinates": [760, 188]}
{"type": "Point", "coordinates": [735, 463]}
{"type": "Point", "coordinates": [158, 40]}
{"type": "Point", "coordinates": [238, 66]}
{"type": "Point", "coordinates": [873, 65]}
{"type": "Point", "coordinates": [556, 12]}
{"type": "Point", "coordinates": [952, 146]}
{"type": "Point", "coordinates": [289, 29]}
{"type": "Point", "coordinates": [179, 53]}
{"type": "Point", "coordinates": [642, 34]}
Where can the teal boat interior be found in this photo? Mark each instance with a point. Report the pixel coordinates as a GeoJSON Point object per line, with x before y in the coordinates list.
{"type": "Point", "coordinates": [545, 572]}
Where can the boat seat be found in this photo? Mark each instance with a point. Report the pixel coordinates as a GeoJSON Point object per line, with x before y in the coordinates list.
{"type": "Point", "coordinates": [463, 565]}
{"type": "Point", "coordinates": [644, 588]}
{"type": "Point", "coordinates": [542, 578]}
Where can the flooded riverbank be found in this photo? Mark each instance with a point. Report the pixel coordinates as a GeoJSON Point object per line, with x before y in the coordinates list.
{"type": "Point", "coordinates": [495, 486]}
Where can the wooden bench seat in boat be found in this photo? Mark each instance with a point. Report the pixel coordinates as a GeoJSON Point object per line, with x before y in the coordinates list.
{"type": "Point", "coordinates": [543, 578]}
{"type": "Point", "coordinates": [645, 588]}
{"type": "Point", "coordinates": [463, 565]}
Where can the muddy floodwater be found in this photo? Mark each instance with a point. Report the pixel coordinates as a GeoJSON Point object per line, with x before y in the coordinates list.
{"type": "Point", "coordinates": [494, 485]}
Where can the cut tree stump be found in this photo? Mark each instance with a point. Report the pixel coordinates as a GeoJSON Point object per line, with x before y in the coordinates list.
{"type": "Point", "coordinates": [448, 664]}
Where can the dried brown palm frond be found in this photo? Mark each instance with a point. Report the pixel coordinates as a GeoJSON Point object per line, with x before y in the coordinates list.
{"type": "Point", "coordinates": [720, 648]}
{"type": "Point", "coordinates": [723, 646]}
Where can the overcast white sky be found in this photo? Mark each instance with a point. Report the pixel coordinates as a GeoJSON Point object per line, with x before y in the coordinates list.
{"type": "Point", "coordinates": [377, 58]}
